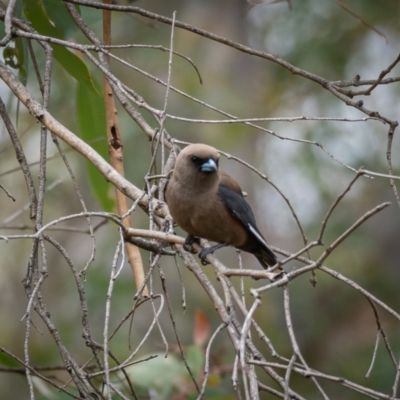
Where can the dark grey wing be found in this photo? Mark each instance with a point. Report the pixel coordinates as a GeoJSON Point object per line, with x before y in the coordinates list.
{"type": "Point", "coordinates": [240, 209]}
{"type": "Point", "coordinates": [255, 243]}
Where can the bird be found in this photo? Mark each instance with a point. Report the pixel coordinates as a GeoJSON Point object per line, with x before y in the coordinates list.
{"type": "Point", "coordinates": [208, 203]}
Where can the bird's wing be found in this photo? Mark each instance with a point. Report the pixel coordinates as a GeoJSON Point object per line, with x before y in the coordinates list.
{"type": "Point", "coordinates": [239, 208]}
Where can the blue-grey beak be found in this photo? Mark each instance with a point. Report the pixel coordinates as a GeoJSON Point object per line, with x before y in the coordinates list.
{"type": "Point", "coordinates": [209, 166]}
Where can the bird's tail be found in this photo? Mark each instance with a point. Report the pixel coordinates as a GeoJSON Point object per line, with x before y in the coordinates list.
{"type": "Point", "coordinates": [268, 259]}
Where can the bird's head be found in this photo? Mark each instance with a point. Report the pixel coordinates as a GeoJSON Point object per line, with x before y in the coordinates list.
{"type": "Point", "coordinates": [197, 162]}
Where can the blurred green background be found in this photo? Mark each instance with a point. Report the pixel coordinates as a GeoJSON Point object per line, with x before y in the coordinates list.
{"type": "Point", "coordinates": [335, 325]}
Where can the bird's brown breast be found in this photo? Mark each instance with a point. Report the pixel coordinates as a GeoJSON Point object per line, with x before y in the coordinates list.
{"type": "Point", "coordinates": [204, 216]}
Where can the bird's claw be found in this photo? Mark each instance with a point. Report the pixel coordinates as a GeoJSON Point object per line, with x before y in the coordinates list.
{"type": "Point", "coordinates": [203, 254]}
{"type": "Point", "coordinates": [188, 245]}
{"type": "Point", "coordinates": [209, 250]}
{"type": "Point", "coordinates": [189, 248]}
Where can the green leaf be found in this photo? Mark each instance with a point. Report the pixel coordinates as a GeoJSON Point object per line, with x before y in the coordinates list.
{"type": "Point", "coordinates": [160, 373]}
{"type": "Point", "coordinates": [21, 49]}
{"type": "Point", "coordinates": [8, 361]}
{"type": "Point", "coordinates": [60, 17]}
{"type": "Point", "coordinates": [35, 12]}
{"type": "Point", "coordinates": [91, 117]}
{"type": "Point", "coordinates": [195, 359]}
{"type": "Point", "coordinates": [52, 394]}
{"type": "Point", "coordinates": [23, 59]}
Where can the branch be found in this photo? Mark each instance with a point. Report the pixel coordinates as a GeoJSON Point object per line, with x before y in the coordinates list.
{"type": "Point", "coordinates": [45, 118]}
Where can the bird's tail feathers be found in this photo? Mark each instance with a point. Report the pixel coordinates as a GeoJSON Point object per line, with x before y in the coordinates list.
{"type": "Point", "coordinates": [268, 259]}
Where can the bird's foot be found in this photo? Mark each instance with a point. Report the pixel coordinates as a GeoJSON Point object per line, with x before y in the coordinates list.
{"type": "Point", "coordinates": [209, 250]}
{"type": "Point", "coordinates": [188, 245]}
{"type": "Point", "coordinates": [204, 253]}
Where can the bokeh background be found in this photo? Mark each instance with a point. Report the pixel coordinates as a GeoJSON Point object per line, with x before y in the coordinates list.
{"type": "Point", "coordinates": [334, 324]}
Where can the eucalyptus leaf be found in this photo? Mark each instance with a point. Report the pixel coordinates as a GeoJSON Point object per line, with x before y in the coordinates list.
{"type": "Point", "coordinates": [91, 117]}
{"type": "Point", "coordinates": [36, 13]}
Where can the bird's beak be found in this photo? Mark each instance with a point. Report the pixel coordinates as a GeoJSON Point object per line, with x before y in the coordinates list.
{"type": "Point", "coordinates": [209, 166]}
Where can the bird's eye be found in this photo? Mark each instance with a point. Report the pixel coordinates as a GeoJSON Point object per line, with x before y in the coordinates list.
{"type": "Point", "coordinates": [194, 159]}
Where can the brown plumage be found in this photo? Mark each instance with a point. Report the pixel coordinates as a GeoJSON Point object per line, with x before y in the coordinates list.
{"type": "Point", "coordinates": [209, 204]}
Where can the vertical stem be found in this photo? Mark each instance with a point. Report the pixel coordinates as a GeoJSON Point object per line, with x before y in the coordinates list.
{"type": "Point", "coordinates": [115, 150]}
